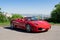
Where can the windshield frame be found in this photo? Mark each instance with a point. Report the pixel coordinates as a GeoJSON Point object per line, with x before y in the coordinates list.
{"type": "Point", "coordinates": [31, 18]}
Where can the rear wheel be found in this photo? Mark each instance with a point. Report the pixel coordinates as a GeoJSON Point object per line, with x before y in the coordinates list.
{"type": "Point", "coordinates": [11, 26]}
{"type": "Point", "coordinates": [28, 28]}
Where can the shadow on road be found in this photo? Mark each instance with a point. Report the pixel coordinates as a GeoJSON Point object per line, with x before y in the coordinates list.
{"type": "Point", "coordinates": [19, 30]}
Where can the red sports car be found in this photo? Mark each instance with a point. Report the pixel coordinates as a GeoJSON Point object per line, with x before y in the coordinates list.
{"type": "Point", "coordinates": [30, 24]}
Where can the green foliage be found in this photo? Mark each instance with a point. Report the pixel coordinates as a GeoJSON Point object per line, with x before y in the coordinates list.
{"type": "Point", "coordinates": [2, 17]}
{"type": "Point", "coordinates": [48, 19]}
{"type": "Point", "coordinates": [0, 8]}
{"type": "Point", "coordinates": [55, 15]}
{"type": "Point", "coordinates": [8, 18]}
{"type": "Point", "coordinates": [17, 16]}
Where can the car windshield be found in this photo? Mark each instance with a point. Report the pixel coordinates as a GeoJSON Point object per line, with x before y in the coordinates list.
{"type": "Point", "coordinates": [32, 18]}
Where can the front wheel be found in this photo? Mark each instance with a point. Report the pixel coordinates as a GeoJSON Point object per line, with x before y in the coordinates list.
{"type": "Point", "coordinates": [28, 28]}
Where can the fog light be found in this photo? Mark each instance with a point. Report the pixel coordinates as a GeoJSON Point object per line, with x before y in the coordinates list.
{"type": "Point", "coordinates": [42, 29]}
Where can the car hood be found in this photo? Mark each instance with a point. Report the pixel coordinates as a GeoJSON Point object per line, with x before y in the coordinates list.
{"type": "Point", "coordinates": [43, 24]}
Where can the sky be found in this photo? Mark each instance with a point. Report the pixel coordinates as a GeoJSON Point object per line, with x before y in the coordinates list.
{"type": "Point", "coordinates": [28, 6]}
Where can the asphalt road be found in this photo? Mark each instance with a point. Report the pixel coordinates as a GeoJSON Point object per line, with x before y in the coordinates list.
{"type": "Point", "coordinates": [8, 34]}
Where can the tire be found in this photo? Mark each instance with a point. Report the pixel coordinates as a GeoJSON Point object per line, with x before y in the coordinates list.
{"type": "Point", "coordinates": [28, 28]}
{"type": "Point", "coordinates": [11, 26]}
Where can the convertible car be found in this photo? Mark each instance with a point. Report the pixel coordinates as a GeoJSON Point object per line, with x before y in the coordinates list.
{"type": "Point", "coordinates": [30, 24]}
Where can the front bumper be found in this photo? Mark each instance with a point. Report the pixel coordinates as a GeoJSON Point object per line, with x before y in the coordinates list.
{"type": "Point", "coordinates": [40, 29]}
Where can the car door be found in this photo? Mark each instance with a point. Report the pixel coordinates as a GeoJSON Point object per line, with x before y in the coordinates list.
{"type": "Point", "coordinates": [17, 23]}
{"type": "Point", "coordinates": [22, 23]}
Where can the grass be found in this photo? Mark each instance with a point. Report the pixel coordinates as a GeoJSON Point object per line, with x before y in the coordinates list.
{"type": "Point", "coordinates": [4, 24]}
{"type": "Point", "coordinates": [54, 23]}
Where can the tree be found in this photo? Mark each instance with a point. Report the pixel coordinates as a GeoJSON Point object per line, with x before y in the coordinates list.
{"type": "Point", "coordinates": [55, 15]}
{"type": "Point", "coordinates": [16, 16]}
{"type": "Point", "coordinates": [2, 17]}
{"type": "Point", "coordinates": [0, 8]}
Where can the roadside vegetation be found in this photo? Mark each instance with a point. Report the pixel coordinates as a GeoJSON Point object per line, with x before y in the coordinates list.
{"type": "Point", "coordinates": [16, 16]}
{"type": "Point", "coordinates": [4, 23]}
{"type": "Point", "coordinates": [55, 15]}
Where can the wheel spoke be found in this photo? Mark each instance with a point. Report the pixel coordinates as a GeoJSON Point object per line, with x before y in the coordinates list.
{"type": "Point", "coordinates": [28, 28]}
